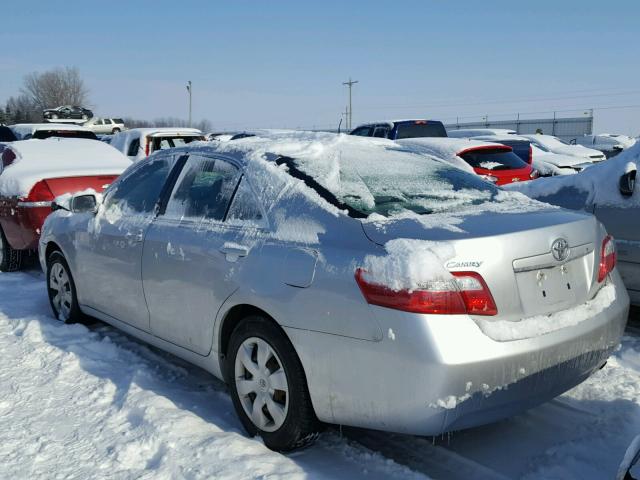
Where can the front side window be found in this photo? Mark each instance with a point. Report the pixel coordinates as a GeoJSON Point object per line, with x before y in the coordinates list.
{"type": "Point", "coordinates": [138, 190]}
{"type": "Point", "coordinates": [98, 122]}
{"type": "Point", "coordinates": [107, 121]}
{"type": "Point", "coordinates": [203, 190]}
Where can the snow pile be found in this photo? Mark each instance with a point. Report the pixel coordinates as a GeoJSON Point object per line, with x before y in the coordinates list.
{"type": "Point", "coordinates": [411, 265]}
{"type": "Point", "coordinates": [55, 158]}
{"type": "Point", "coordinates": [600, 181]}
{"type": "Point", "coordinates": [78, 402]}
{"type": "Point", "coordinates": [504, 330]}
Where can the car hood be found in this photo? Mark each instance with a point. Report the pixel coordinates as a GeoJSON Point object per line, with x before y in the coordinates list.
{"type": "Point", "coordinates": [561, 159]}
{"type": "Point", "coordinates": [577, 150]}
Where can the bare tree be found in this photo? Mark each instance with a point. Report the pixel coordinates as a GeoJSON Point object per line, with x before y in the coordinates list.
{"type": "Point", "coordinates": [202, 125]}
{"type": "Point", "coordinates": [60, 86]}
{"type": "Point", "coordinates": [21, 109]}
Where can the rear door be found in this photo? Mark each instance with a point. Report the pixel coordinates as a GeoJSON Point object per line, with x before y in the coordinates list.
{"type": "Point", "coordinates": [109, 255]}
{"type": "Point", "coordinates": [191, 253]}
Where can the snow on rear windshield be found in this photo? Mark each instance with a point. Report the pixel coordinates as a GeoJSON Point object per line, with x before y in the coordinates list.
{"type": "Point", "coordinates": [392, 180]}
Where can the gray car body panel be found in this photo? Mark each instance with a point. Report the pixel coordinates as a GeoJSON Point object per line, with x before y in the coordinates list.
{"type": "Point", "coordinates": [365, 366]}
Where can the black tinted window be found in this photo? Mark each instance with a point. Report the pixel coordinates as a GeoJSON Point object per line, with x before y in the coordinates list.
{"type": "Point", "coordinates": [363, 131]}
{"type": "Point", "coordinates": [42, 134]}
{"type": "Point", "coordinates": [134, 146]}
{"type": "Point", "coordinates": [520, 148]}
{"type": "Point", "coordinates": [420, 129]}
{"type": "Point", "coordinates": [139, 189]}
{"type": "Point", "coordinates": [7, 135]}
{"type": "Point", "coordinates": [493, 159]}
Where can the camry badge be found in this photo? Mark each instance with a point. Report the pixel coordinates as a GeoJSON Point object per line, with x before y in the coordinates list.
{"type": "Point", "coordinates": [560, 249]}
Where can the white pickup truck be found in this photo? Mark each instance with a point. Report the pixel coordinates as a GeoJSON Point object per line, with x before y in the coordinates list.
{"type": "Point", "coordinates": [139, 143]}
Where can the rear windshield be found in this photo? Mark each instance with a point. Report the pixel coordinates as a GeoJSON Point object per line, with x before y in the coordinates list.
{"type": "Point", "coordinates": [164, 143]}
{"type": "Point", "coordinates": [520, 148]}
{"type": "Point", "coordinates": [42, 134]}
{"type": "Point", "coordinates": [420, 129]}
{"type": "Point", "coordinates": [493, 159]}
{"type": "Point", "coordinates": [391, 184]}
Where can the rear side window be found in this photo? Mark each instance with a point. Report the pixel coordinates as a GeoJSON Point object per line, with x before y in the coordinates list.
{"type": "Point", "coordinates": [107, 121]}
{"type": "Point", "coordinates": [138, 190]}
{"type": "Point", "coordinates": [203, 190]}
{"type": "Point", "coordinates": [244, 208]}
{"type": "Point", "coordinates": [493, 159]}
{"type": "Point", "coordinates": [419, 129]}
{"type": "Point", "coordinates": [381, 132]}
{"type": "Point", "coordinates": [118, 120]}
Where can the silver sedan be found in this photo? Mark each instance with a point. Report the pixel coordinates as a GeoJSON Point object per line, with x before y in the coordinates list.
{"type": "Point", "coordinates": [341, 280]}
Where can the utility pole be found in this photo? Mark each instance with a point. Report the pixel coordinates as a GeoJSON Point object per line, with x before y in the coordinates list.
{"type": "Point", "coordinates": [350, 83]}
{"type": "Point", "coordinates": [189, 90]}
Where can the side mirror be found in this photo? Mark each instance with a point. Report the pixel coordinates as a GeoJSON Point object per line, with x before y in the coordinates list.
{"type": "Point", "coordinates": [84, 203]}
{"type": "Point", "coordinates": [628, 183]}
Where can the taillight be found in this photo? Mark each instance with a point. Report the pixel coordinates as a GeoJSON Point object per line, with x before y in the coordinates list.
{"type": "Point", "coordinates": [40, 192]}
{"type": "Point", "coordinates": [534, 174]}
{"type": "Point", "coordinates": [607, 258]}
{"type": "Point", "coordinates": [146, 147]}
{"type": "Point", "coordinates": [467, 292]}
{"type": "Point", "coordinates": [530, 161]}
{"type": "Point", "coordinates": [8, 157]}
{"type": "Point", "coordinates": [490, 178]}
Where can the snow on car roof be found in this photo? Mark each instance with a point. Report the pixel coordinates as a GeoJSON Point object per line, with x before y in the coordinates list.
{"type": "Point", "coordinates": [34, 127]}
{"type": "Point", "coordinates": [58, 157]}
{"type": "Point", "coordinates": [153, 130]}
{"type": "Point", "coordinates": [600, 181]}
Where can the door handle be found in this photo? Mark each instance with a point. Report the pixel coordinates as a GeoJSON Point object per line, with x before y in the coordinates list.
{"type": "Point", "coordinates": [136, 237]}
{"type": "Point", "coordinates": [233, 251]}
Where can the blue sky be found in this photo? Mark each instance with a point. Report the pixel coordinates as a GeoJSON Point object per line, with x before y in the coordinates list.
{"type": "Point", "coordinates": [281, 63]}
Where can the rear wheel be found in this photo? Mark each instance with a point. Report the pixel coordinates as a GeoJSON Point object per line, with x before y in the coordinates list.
{"type": "Point", "coordinates": [10, 258]}
{"type": "Point", "coordinates": [115, 130]}
{"type": "Point", "coordinates": [62, 289]}
{"type": "Point", "coordinates": [268, 386]}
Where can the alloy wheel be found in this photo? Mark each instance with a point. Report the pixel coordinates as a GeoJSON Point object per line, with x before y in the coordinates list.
{"type": "Point", "coordinates": [261, 383]}
{"type": "Point", "coordinates": [62, 296]}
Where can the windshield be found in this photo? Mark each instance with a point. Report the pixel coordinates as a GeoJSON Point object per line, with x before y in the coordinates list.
{"type": "Point", "coordinates": [419, 129]}
{"type": "Point", "coordinates": [493, 159]}
{"type": "Point", "coordinates": [42, 134]}
{"type": "Point", "coordinates": [392, 184]}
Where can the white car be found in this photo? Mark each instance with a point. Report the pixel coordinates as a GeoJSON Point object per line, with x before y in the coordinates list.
{"type": "Point", "coordinates": [610, 144]}
{"type": "Point", "coordinates": [475, 132]}
{"type": "Point", "coordinates": [105, 125]}
{"type": "Point", "coordinates": [551, 144]}
{"type": "Point", "coordinates": [139, 143]}
{"type": "Point", "coordinates": [25, 131]}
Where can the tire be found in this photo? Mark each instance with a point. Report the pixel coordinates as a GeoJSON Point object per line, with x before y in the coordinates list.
{"type": "Point", "coordinates": [62, 290]}
{"type": "Point", "coordinates": [295, 425]}
{"type": "Point", "coordinates": [115, 130]}
{"type": "Point", "coordinates": [54, 116]}
{"type": "Point", "coordinates": [10, 258]}
{"type": "Point", "coordinates": [85, 117]}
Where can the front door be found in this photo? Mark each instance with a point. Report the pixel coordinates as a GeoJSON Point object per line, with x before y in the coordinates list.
{"type": "Point", "coordinates": [109, 257]}
{"type": "Point", "coordinates": [192, 254]}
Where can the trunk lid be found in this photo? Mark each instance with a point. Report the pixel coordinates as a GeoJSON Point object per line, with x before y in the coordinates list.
{"type": "Point", "coordinates": [62, 185]}
{"type": "Point", "coordinates": [513, 253]}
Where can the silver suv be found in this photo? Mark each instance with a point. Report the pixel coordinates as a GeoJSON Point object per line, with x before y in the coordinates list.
{"type": "Point", "coordinates": [105, 125]}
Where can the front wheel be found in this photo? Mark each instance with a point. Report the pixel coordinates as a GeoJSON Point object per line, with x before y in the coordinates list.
{"type": "Point", "coordinates": [54, 116]}
{"type": "Point", "coordinates": [10, 258]}
{"type": "Point", "coordinates": [268, 386]}
{"type": "Point", "coordinates": [62, 289]}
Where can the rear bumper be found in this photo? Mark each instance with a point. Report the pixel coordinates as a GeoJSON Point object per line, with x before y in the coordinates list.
{"type": "Point", "coordinates": [22, 225]}
{"type": "Point", "coordinates": [432, 374]}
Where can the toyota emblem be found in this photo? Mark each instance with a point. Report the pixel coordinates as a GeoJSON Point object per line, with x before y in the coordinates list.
{"type": "Point", "coordinates": [560, 249]}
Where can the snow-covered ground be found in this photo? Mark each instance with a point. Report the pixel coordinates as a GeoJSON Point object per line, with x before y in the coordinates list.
{"type": "Point", "coordinates": [90, 402]}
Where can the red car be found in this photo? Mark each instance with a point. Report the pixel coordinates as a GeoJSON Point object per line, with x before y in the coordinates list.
{"type": "Point", "coordinates": [33, 173]}
{"type": "Point", "coordinates": [493, 161]}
